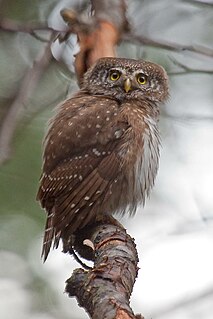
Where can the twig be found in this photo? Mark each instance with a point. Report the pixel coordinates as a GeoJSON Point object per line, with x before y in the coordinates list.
{"type": "Point", "coordinates": [26, 89]}
{"type": "Point", "coordinates": [186, 69]}
{"type": "Point", "coordinates": [38, 37]}
{"type": "Point", "coordinates": [12, 26]}
{"type": "Point", "coordinates": [200, 3]}
{"type": "Point", "coordinates": [175, 73]}
{"type": "Point", "coordinates": [188, 117]}
{"type": "Point", "coordinates": [171, 46]}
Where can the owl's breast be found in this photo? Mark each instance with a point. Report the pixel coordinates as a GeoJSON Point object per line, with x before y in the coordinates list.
{"type": "Point", "coordinates": [147, 160]}
{"type": "Point", "coordinates": [142, 157]}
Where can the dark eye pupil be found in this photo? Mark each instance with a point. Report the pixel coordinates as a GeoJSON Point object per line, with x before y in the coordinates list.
{"type": "Point", "coordinates": [141, 79]}
{"type": "Point", "coordinates": [114, 75]}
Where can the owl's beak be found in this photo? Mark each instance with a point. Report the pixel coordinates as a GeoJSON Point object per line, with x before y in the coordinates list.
{"type": "Point", "coordinates": [127, 85]}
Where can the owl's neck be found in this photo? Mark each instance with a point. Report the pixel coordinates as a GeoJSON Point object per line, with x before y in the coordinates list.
{"type": "Point", "coordinates": [146, 106]}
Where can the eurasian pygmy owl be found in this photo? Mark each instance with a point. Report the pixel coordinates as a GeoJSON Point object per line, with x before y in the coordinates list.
{"type": "Point", "coordinates": [102, 147]}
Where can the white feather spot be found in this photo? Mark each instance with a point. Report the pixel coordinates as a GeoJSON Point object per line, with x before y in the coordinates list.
{"type": "Point", "coordinates": [96, 152]}
{"type": "Point", "coordinates": [118, 133]}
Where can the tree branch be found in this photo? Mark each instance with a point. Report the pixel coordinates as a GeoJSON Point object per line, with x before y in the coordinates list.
{"type": "Point", "coordinates": [98, 35]}
{"type": "Point", "coordinates": [200, 3]}
{"type": "Point", "coordinates": [105, 290]}
{"type": "Point", "coordinates": [11, 26]}
{"type": "Point", "coordinates": [26, 89]}
{"type": "Point", "coordinates": [170, 46]}
{"type": "Point", "coordinates": [186, 69]}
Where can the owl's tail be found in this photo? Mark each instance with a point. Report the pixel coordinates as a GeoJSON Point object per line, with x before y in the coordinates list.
{"type": "Point", "coordinates": [48, 236]}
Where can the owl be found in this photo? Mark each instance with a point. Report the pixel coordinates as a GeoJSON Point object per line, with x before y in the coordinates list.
{"type": "Point", "coordinates": [101, 151]}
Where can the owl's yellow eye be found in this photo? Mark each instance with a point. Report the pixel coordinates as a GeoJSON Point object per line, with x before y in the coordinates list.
{"type": "Point", "coordinates": [141, 78]}
{"type": "Point", "coordinates": [114, 75]}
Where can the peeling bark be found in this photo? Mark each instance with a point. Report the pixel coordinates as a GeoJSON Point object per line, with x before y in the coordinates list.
{"type": "Point", "coordinates": [104, 291]}
{"type": "Point", "coordinates": [99, 35]}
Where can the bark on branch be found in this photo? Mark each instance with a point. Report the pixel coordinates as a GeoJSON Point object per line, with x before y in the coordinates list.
{"type": "Point", "coordinates": [99, 35]}
{"type": "Point", "coordinates": [105, 290]}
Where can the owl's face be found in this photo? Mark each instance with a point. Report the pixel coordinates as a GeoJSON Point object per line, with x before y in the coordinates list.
{"type": "Point", "coordinates": [127, 79]}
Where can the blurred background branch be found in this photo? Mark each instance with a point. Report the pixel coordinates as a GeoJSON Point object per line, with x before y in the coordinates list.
{"type": "Point", "coordinates": [28, 85]}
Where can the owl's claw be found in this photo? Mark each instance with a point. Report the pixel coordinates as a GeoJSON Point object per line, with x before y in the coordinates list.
{"type": "Point", "coordinates": [72, 251]}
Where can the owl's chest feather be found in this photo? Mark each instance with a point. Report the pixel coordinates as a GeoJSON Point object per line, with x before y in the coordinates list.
{"type": "Point", "coordinates": [143, 154]}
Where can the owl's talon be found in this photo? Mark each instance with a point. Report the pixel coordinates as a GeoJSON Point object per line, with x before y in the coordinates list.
{"type": "Point", "coordinates": [89, 243]}
{"type": "Point", "coordinates": [85, 266]}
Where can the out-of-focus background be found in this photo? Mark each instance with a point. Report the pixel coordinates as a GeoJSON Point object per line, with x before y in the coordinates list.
{"type": "Point", "coordinates": [174, 232]}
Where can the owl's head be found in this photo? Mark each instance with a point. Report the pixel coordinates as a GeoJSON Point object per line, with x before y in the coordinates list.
{"type": "Point", "coordinates": [126, 79]}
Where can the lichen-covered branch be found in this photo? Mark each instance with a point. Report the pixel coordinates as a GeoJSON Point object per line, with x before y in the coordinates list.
{"type": "Point", "coordinates": [105, 290]}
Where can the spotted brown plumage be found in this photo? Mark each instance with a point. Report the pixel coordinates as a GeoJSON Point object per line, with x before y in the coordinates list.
{"type": "Point", "coordinates": [102, 148]}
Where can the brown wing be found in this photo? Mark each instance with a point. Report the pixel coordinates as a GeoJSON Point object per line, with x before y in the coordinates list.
{"type": "Point", "coordinates": [81, 164]}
